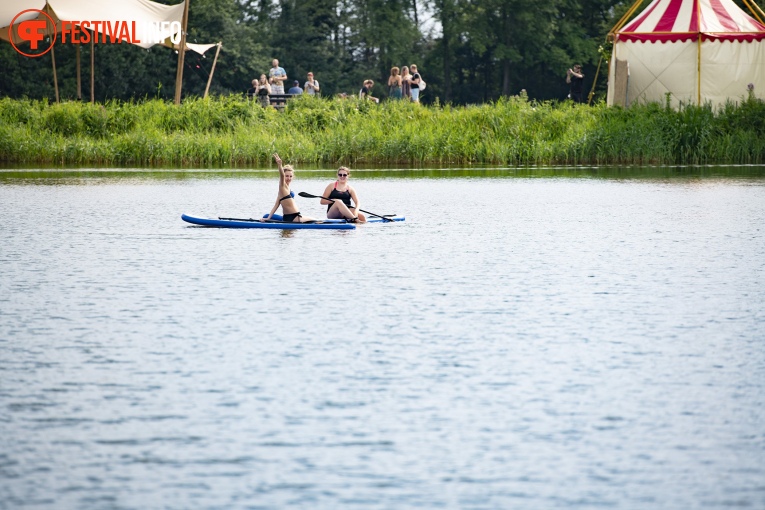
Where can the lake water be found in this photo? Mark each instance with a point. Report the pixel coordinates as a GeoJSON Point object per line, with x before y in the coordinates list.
{"type": "Point", "coordinates": [535, 339]}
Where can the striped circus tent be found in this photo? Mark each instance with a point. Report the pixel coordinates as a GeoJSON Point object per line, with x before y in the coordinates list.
{"type": "Point", "coordinates": [695, 51]}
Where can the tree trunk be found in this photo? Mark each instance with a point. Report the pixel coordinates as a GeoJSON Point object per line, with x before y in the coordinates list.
{"type": "Point", "coordinates": [506, 77]}
{"type": "Point", "coordinates": [506, 61]}
{"type": "Point", "coordinates": [446, 25]}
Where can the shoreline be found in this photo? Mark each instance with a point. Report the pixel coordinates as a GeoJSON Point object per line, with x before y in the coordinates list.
{"type": "Point", "coordinates": [229, 133]}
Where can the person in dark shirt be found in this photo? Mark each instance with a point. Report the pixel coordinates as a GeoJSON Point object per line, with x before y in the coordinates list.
{"type": "Point", "coordinates": [415, 83]}
{"type": "Point", "coordinates": [253, 91]}
{"type": "Point", "coordinates": [575, 79]}
{"type": "Point", "coordinates": [366, 91]}
{"type": "Point", "coordinates": [295, 90]}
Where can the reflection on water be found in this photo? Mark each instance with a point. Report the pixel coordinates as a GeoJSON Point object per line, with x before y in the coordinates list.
{"type": "Point", "coordinates": [535, 341]}
{"type": "Point", "coordinates": [307, 171]}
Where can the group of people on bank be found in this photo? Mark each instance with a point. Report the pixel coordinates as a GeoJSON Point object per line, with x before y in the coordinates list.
{"type": "Point", "coordinates": [403, 84]}
{"type": "Point", "coordinates": [274, 84]}
{"type": "Point", "coordinates": [339, 197]}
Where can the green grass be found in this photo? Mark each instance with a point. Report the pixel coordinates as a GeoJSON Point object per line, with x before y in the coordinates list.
{"type": "Point", "coordinates": [231, 132]}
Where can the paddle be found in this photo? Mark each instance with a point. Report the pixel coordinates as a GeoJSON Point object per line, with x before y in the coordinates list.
{"type": "Point", "coordinates": [308, 195]}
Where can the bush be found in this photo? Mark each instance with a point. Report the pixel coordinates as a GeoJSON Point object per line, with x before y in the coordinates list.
{"type": "Point", "coordinates": [231, 131]}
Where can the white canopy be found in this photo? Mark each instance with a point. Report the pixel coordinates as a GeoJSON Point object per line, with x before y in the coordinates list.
{"type": "Point", "coordinates": [148, 15]}
{"type": "Point", "coordinates": [10, 8]}
{"type": "Point", "coordinates": [144, 12]}
{"type": "Point", "coordinates": [153, 23]}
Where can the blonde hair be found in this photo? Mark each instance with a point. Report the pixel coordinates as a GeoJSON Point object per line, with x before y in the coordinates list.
{"type": "Point", "coordinates": [345, 168]}
{"type": "Point", "coordinates": [288, 168]}
{"type": "Point", "coordinates": [394, 71]}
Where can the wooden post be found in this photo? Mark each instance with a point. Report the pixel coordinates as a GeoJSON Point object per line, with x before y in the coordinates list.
{"type": "Point", "coordinates": [79, 75]}
{"type": "Point", "coordinates": [698, 71]}
{"type": "Point", "coordinates": [181, 53]}
{"type": "Point", "coordinates": [52, 51]}
{"type": "Point", "coordinates": [698, 56]}
{"type": "Point", "coordinates": [209, 78]}
{"type": "Point", "coordinates": [93, 68]}
{"type": "Point", "coordinates": [55, 77]}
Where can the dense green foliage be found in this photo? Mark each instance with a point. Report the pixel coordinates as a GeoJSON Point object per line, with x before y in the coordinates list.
{"type": "Point", "coordinates": [470, 51]}
{"type": "Point", "coordinates": [232, 132]}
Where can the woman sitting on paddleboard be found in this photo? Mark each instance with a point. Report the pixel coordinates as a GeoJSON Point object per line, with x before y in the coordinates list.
{"type": "Point", "coordinates": [286, 198]}
{"type": "Point", "coordinates": [340, 194]}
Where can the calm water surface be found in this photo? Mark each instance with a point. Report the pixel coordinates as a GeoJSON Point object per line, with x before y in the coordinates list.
{"type": "Point", "coordinates": [528, 342]}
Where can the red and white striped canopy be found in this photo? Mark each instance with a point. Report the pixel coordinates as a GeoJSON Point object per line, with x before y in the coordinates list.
{"type": "Point", "coordinates": [686, 20]}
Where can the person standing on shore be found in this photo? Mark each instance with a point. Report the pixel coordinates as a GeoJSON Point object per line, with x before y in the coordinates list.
{"type": "Point", "coordinates": [277, 76]}
{"type": "Point", "coordinates": [415, 83]}
{"type": "Point", "coordinates": [406, 83]}
{"type": "Point", "coordinates": [263, 91]}
{"type": "Point", "coordinates": [394, 84]}
{"type": "Point", "coordinates": [253, 91]}
{"type": "Point", "coordinates": [311, 85]}
{"type": "Point", "coordinates": [575, 79]}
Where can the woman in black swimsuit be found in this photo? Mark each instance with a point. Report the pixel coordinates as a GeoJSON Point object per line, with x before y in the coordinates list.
{"type": "Point", "coordinates": [286, 198]}
{"type": "Point", "coordinates": [340, 194]}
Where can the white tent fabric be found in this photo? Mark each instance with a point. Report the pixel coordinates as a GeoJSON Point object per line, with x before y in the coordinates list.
{"type": "Point", "coordinates": [143, 12]}
{"type": "Point", "coordinates": [154, 23]}
{"type": "Point", "coordinates": [10, 8]}
{"type": "Point", "coordinates": [146, 14]}
{"type": "Point", "coordinates": [691, 17]}
{"type": "Point", "coordinates": [200, 48]}
{"type": "Point", "coordinates": [697, 51]}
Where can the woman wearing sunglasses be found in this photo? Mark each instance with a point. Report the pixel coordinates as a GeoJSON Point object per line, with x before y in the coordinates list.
{"type": "Point", "coordinates": [286, 197]}
{"type": "Point", "coordinates": [340, 194]}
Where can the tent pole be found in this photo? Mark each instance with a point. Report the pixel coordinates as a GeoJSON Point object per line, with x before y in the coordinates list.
{"type": "Point", "coordinates": [698, 57]}
{"type": "Point", "coordinates": [627, 16]}
{"type": "Point", "coordinates": [52, 53]}
{"type": "Point", "coordinates": [93, 68]}
{"type": "Point", "coordinates": [55, 76]}
{"type": "Point", "coordinates": [698, 72]}
{"type": "Point", "coordinates": [754, 9]}
{"type": "Point", "coordinates": [79, 75]}
{"type": "Point", "coordinates": [215, 60]}
{"type": "Point", "coordinates": [181, 53]}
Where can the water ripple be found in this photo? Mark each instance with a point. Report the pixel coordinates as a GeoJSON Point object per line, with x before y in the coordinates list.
{"type": "Point", "coordinates": [596, 343]}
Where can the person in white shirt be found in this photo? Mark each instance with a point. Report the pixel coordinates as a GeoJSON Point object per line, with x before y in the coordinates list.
{"type": "Point", "coordinates": [311, 86]}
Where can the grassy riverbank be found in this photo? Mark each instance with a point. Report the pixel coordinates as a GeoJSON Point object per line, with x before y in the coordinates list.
{"type": "Point", "coordinates": [230, 132]}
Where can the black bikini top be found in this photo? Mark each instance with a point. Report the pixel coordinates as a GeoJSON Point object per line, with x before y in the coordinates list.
{"type": "Point", "coordinates": [345, 196]}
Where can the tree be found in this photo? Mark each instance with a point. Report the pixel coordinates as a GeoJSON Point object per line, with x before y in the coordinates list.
{"type": "Point", "coordinates": [478, 50]}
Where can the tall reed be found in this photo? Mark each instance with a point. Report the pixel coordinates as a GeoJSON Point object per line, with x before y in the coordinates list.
{"type": "Point", "coordinates": [232, 132]}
